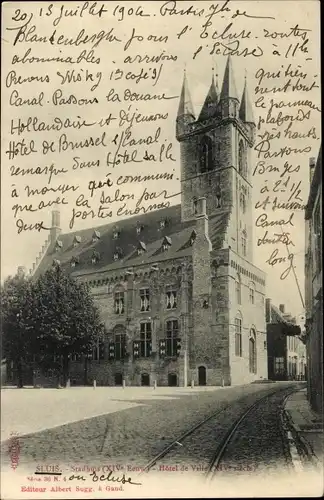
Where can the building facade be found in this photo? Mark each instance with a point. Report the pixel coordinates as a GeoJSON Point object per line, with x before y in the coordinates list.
{"type": "Point", "coordinates": [313, 286]}
{"type": "Point", "coordinates": [286, 350]}
{"type": "Point", "coordinates": [178, 291]}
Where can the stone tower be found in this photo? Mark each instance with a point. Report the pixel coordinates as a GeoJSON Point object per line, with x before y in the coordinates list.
{"type": "Point", "coordinates": [215, 159]}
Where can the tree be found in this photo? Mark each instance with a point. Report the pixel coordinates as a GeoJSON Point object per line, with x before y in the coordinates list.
{"type": "Point", "coordinates": [16, 339]}
{"type": "Point", "coordinates": [64, 318]}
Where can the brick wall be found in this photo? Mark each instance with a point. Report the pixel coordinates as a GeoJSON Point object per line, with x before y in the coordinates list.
{"type": "Point", "coordinates": [252, 316]}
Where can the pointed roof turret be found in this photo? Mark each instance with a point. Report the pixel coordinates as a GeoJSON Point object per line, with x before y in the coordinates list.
{"type": "Point", "coordinates": [185, 104]}
{"type": "Point", "coordinates": [210, 105]}
{"type": "Point", "coordinates": [246, 112]}
{"type": "Point", "coordinates": [229, 87]}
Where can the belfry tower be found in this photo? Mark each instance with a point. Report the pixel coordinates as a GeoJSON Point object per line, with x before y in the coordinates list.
{"type": "Point", "coordinates": [215, 160]}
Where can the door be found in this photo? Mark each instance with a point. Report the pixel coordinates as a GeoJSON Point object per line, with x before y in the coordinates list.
{"type": "Point", "coordinates": [201, 375]}
{"type": "Point", "coordinates": [118, 379]}
{"type": "Point", "coordinates": [145, 379]}
{"type": "Point", "coordinates": [172, 380]}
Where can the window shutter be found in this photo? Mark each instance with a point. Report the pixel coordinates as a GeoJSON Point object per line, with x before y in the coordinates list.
{"type": "Point", "coordinates": [136, 349]}
{"type": "Point", "coordinates": [162, 348]}
{"type": "Point", "coordinates": [111, 350]}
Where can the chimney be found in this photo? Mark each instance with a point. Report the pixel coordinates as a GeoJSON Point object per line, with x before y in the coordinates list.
{"type": "Point", "coordinates": [312, 163]}
{"type": "Point", "coordinates": [202, 219]}
{"type": "Point", "coordinates": [55, 229]}
{"type": "Point", "coordinates": [282, 308]}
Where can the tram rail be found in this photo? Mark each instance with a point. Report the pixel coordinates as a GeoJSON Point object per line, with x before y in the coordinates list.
{"type": "Point", "coordinates": [224, 441]}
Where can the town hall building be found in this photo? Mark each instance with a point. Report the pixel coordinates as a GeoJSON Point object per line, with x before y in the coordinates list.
{"type": "Point", "coordinates": [178, 292]}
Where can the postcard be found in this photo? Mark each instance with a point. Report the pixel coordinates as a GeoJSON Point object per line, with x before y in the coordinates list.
{"type": "Point", "coordinates": [161, 257]}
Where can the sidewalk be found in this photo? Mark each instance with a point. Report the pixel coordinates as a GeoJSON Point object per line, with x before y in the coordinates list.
{"type": "Point", "coordinates": [307, 427]}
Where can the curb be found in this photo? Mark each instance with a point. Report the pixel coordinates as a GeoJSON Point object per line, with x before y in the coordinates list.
{"type": "Point", "coordinates": [304, 449]}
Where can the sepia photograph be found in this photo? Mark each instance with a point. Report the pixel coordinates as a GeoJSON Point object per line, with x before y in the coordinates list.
{"type": "Point", "coordinates": [161, 250]}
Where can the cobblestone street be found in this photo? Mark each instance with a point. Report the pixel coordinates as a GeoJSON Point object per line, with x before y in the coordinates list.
{"type": "Point", "coordinates": [120, 431]}
{"type": "Point", "coordinates": [130, 425]}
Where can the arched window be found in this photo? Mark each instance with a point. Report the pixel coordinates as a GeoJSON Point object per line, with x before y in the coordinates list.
{"type": "Point", "coordinates": [242, 202]}
{"type": "Point", "coordinates": [244, 242]}
{"type": "Point", "coordinates": [238, 335]}
{"type": "Point", "coordinates": [206, 159]}
{"type": "Point", "coordinates": [252, 292]}
{"type": "Point", "coordinates": [238, 289]}
{"type": "Point", "coordinates": [242, 159]}
{"type": "Point", "coordinates": [252, 352]}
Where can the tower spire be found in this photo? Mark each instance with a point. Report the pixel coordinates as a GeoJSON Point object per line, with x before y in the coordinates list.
{"type": "Point", "coordinates": [185, 104]}
{"type": "Point", "coordinates": [210, 105]}
{"type": "Point", "coordinates": [186, 113]}
{"type": "Point", "coordinates": [229, 87]}
{"type": "Point", "coordinates": [246, 112]}
{"type": "Point", "coordinates": [216, 75]}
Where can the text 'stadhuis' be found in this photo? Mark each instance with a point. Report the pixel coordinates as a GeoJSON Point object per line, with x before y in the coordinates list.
{"type": "Point", "coordinates": [179, 294]}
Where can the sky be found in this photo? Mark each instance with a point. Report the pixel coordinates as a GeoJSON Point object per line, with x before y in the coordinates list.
{"type": "Point", "coordinates": [22, 249]}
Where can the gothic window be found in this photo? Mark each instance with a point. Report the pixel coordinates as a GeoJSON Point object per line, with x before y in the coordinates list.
{"type": "Point", "coordinates": [206, 160]}
{"type": "Point", "coordinates": [145, 299]}
{"type": "Point", "coordinates": [238, 336]}
{"type": "Point", "coordinates": [252, 293]}
{"type": "Point", "coordinates": [242, 202]}
{"type": "Point", "coordinates": [146, 339]}
{"type": "Point", "coordinates": [119, 302]}
{"type": "Point", "coordinates": [242, 159]}
{"type": "Point", "coordinates": [120, 346]}
{"type": "Point", "coordinates": [252, 352]}
{"type": "Point", "coordinates": [243, 242]}
{"type": "Point", "coordinates": [171, 297]}
{"type": "Point", "coordinates": [218, 200]}
{"type": "Point", "coordinates": [238, 290]}
{"type": "Point", "coordinates": [195, 206]}
{"type": "Point", "coordinates": [172, 331]}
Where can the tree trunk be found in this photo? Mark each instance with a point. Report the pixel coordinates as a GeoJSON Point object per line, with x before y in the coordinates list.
{"type": "Point", "coordinates": [19, 374]}
{"type": "Point", "coordinates": [65, 369]}
{"type": "Point", "coordinates": [85, 370]}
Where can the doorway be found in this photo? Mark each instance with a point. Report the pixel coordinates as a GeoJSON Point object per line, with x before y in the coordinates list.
{"type": "Point", "coordinates": [145, 379]}
{"type": "Point", "coordinates": [118, 379]}
{"type": "Point", "coordinates": [172, 380]}
{"type": "Point", "coordinates": [201, 375]}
